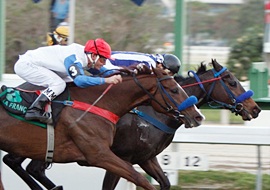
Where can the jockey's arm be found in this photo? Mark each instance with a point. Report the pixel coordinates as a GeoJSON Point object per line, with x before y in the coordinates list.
{"type": "Point", "coordinates": [85, 81]}
{"type": "Point", "coordinates": [75, 71]}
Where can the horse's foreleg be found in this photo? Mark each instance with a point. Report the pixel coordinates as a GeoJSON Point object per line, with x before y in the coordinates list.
{"type": "Point", "coordinates": [152, 168]}
{"type": "Point", "coordinates": [14, 162]}
{"type": "Point", "coordinates": [109, 161]}
{"type": "Point", "coordinates": [110, 181]}
{"type": "Point", "coordinates": [36, 169]}
{"type": "Point", "coordinates": [106, 159]}
{"type": "Point", "coordinates": [97, 152]}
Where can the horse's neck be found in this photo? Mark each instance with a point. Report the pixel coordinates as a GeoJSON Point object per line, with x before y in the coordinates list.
{"type": "Point", "coordinates": [172, 123]}
{"type": "Point", "coordinates": [195, 90]}
{"type": "Point", "coordinates": [119, 99]}
{"type": "Point", "coordinates": [151, 112]}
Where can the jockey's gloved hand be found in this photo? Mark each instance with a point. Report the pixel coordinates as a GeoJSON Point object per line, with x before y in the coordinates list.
{"type": "Point", "coordinates": [159, 58]}
{"type": "Point", "coordinates": [140, 66]}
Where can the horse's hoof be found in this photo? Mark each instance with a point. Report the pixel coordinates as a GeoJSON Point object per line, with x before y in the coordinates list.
{"type": "Point", "coordinates": [57, 188]}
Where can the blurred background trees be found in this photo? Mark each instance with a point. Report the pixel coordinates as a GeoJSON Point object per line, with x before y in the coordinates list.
{"type": "Point", "coordinates": [223, 22]}
{"type": "Point", "coordinates": [129, 27]}
{"type": "Point", "coordinates": [246, 49]}
{"type": "Point", "coordinates": [247, 46]}
{"type": "Point", "coordinates": [123, 24]}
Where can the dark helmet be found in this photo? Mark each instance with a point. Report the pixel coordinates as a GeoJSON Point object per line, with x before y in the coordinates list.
{"type": "Point", "coordinates": [171, 62]}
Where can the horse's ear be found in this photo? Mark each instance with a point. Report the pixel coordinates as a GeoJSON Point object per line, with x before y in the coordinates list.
{"type": "Point", "coordinates": [216, 65]}
{"type": "Point", "coordinates": [145, 69]}
{"type": "Point", "coordinates": [154, 70]}
{"type": "Point", "coordinates": [159, 72]}
{"type": "Point", "coordinates": [201, 68]}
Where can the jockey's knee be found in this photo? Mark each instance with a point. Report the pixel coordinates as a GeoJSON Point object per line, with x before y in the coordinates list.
{"type": "Point", "coordinates": [58, 87]}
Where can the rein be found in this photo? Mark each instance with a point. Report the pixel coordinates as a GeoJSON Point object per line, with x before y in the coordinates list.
{"type": "Point", "coordinates": [206, 81]}
{"type": "Point", "coordinates": [168, 108]}
{"type": "Point", "coordinates": [156, 123]}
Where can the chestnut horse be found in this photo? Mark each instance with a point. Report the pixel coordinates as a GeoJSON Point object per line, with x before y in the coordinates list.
{"type": "Point", "coordinates": [219, 86]}
{"type": "Point", "coordinates": [86, 138]}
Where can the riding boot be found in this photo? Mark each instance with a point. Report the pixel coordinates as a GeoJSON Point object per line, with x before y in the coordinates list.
{"type": "Point", "coordinates": [37, 110]}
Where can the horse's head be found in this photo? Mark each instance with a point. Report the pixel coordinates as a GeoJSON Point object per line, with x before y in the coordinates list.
{"type": "Point", "coordinates": [140, 87]}
{"type": "Point", "coordinates": [171, 99]}
{"type": "Point", "coordinates": [221, 89]}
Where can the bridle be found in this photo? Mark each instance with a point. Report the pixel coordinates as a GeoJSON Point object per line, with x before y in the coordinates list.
{"type": "Point", "coordinates": [236, 106]}
{"type": "Point", "coordinates": [190, 101]}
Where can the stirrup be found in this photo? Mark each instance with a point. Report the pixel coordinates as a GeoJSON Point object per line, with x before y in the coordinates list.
{"type": "Point", "coordinates": [45, 117]}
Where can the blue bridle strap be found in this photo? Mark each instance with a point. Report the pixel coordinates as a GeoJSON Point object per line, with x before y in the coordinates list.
{"type": "Point", "coordinates": [242, 97]}
{"type": "Point", "coordinates": [216, 74]}
{"type": "Point", "coordinates": [235, 100]}
{"type": "Point", "coordinates": [154, 122]}
{"type": "Point", "coordinates": [190, 101]}
{"type": "Point", "coordinates": [197, 79]}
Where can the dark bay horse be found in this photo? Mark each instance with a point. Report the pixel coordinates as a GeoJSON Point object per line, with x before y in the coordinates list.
{"type": "Point", "coordinates": [87, 140]}
{"type": "Point", "coordinates": [138, 141]}
{"type": "Point", "coordinates": [216, 87]}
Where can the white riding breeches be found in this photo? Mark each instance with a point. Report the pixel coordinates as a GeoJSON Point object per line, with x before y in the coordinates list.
{"type": "Point", "coordinates": [40, 76]}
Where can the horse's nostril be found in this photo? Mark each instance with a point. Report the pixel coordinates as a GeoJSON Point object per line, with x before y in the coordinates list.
{"type": "Point", "coordinates": [199, 118]}
{"type": "Point", "coordinates": [255, 112]}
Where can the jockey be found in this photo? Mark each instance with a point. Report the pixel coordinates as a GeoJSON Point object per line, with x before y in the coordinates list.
{"type": "Point", "coordinates": [53, 66]}
{"type": "Point", "coordinates": [59, 36]}
{"type": "Point", "coordinates": [168, 62]}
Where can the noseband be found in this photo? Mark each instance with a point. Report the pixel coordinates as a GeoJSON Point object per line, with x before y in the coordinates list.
{"type": "Point", "coordinates": [236, 106]}
{"type": "Point", "coordinates": [176, 113]}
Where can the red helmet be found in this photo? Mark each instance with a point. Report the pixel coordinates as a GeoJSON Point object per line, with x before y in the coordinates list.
{"type": "Point", "coordinates": [99, 47]}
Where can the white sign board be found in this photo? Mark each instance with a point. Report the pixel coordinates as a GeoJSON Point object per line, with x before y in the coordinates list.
{"type": "Point", "coordinates": [168, 160]}
{"type": "Point", "coordinates": [194, 162]}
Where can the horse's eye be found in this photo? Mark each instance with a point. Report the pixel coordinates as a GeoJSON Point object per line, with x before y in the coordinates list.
{"type": "Point", "coordinates": [230, 80]}
{"type": "Point", "coordinates": [232, 83]}
{"type": "Point", "coordinates": [175, 90]}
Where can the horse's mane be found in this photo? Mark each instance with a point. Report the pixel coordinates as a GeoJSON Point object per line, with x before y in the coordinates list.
{"type": "Point", "coordinates": [132, 69]}
{"type": "Point", "coordinates": [139, 70]}
{"type": "Point", "coordinates": [200, 70]}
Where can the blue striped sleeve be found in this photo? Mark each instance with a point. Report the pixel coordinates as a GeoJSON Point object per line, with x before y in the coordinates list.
{"type": "Point", "coordinates": [84, 81]}
{"type": "Point", "coordinates": [75, 70]}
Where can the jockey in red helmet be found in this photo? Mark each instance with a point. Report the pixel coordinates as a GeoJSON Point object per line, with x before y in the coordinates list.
{"type": "Point", "coordinates": [53, 66]}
